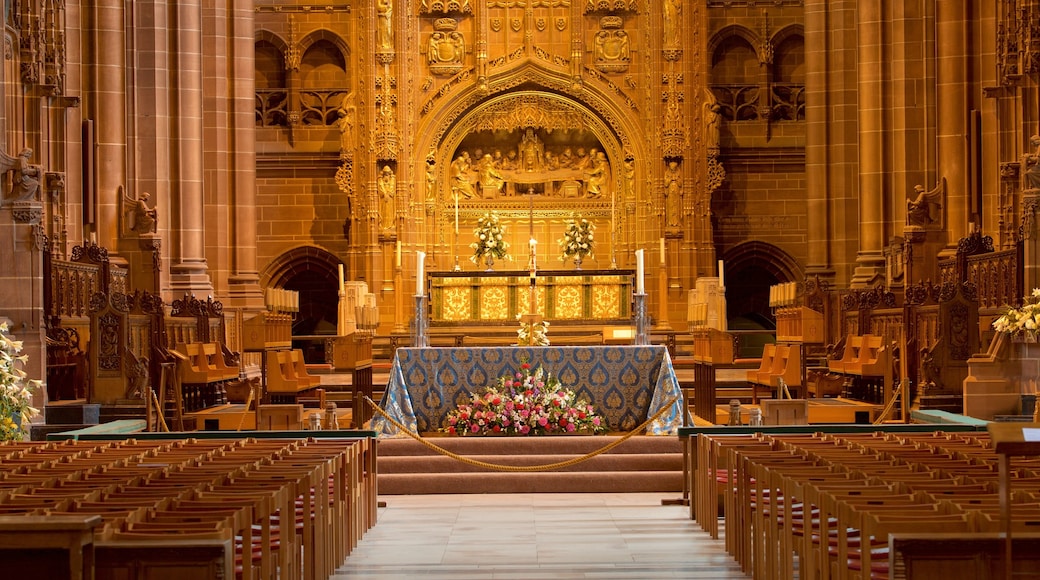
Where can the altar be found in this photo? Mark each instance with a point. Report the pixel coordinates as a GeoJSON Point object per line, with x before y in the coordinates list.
{"type": "Point", "coordinates": [625, 384]}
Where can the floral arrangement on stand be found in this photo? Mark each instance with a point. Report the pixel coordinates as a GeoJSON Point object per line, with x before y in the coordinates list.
{"type": "Point", "coordinates": [528, 402]}
{"type": "Point", "coordinates": [16, 410]}
{"type": "Point", "coordinates": [578, 240]}
{"type": "Point", "coordinates": [532, 333]}
{"type": "Point", "coordinates": [490, 242]}
{"type": "Point", "coordinates": [1021, 322]}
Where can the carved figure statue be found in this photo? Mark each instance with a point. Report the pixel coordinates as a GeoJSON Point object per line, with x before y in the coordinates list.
{"type": "Point", "coordinates": [597, 175]}
{"type": "Point", "coordinates": [672, 22]}
{"type": "Point", "coordinates": [387, 186]}
{"type": "Point", "coordinates": [581, 159]}
{"type": "Point", "coordinates": [531, 152]}
{"type": "Point", "coordinates": [673, 195]}
{"type": "Point", "coordinates": [461, 186]}
{"type": "Point", "coordinates": [923, 207]}
{"type": "Point", "coordinates": [431, 180]}
{"type": "Point", "coordinates": [712, 116]}
{"type": "Point", "coordinates": [566, 158]}
{"type": "Point", "coordinates": [510, 161]}
{"type": "Point", "coordinates": [385, 25]}
{"type": "Point", "coordinates": [346, 127]}
{"type": "Point", "coordinates": [1033, 161]}
{"type": "Point", "coordinates": [25, 180]}
{"type": "Point", "coordinates": [490, 178]}
{"type": "Point", "coordinates": [143, 219]}
{"type": "Point", "coordinates": [629, 172]}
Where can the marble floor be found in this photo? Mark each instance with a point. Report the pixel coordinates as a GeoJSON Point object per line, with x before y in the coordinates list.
{"type": "Point", "coordinates": [537, 536]}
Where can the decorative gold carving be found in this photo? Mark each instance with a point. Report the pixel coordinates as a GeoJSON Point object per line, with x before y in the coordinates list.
{"type": "Point", "coordinates": [528, 3]}
{"type": "Point", "coordinates": [611, 6]}
{"type": "Point", "coordinates": [561, 24]}
{"type": "Point", "coordinates": [611, 46]}
{"type": "Point", "coordinates": [529, 110]}
{"type": "Point", "coordinates": [1018, 40]}
{"type": "Point", "coordinates": [514, 24]}
{"type": "Point", "coordinates": [385, 139]}
{"type": "Point", "coordinates": [434, 6]}
{"type": "Point", "coordinates": [494, 300]}
{"type": "Point", "coordinates": [568, 302]}
{"type": "Point", "coordinates": [446, 48]}
{"type": "Point", "coordinates": [496, 24]}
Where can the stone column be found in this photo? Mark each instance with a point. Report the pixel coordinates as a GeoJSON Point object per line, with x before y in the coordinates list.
{"type": "Point", "coordinates": [108, 109]}
{"type": "Point", "coordinates": [188, 270]}
{"type": "Point", "coordinates": [872, 189]}
{"type": "Point", "coordinates": [244, 279]}
{"type": "Point", "coordinates": [816, 139]}
{"type": "Point", "coordinates": [952, 84]}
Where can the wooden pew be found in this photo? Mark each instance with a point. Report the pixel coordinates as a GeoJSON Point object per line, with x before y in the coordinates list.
{"type": "Point", "coordinates": [284, 385]}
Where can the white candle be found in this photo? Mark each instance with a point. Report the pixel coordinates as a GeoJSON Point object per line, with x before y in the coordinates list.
{"type": "Point", "coordinates": [420, 282]}
{"type": "Point", "coordinates": [397, 255]}
{"type": "Point", "coordinates": [662, 251]}
{"type": "Point", "coordinates": [341, 283]}
{"type": "Point", "coordinates": [639, 271]}
{"type": "Point", "coordinates": [722, 275]}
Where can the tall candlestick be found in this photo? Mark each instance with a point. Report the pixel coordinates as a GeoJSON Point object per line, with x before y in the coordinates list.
{"type": "Point", "coordinates": [420, 275]}
{"type": "Point", "coordinates": [722, 275]}
{"type": "Point", "coordinates": [534, 254]}
{"type": "Point", "coordinates": [456, 212]}
{"type": "Point", "coordinates": [341, 283]}
{"type": "Point", "coordinates": [662, 251]}
{"type": "Point", "coordinates": [639, 271]}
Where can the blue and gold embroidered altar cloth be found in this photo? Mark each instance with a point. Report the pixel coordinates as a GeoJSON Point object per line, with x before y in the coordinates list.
{"type": "Point", "coordinates": [625, 384]}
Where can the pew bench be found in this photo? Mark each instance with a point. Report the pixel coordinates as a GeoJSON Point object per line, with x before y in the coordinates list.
{"type": "Point", "coordinates": [285, 382]}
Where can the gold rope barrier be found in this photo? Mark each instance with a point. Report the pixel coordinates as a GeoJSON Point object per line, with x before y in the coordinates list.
{"type": "Point", "coordinates": [521, 468]}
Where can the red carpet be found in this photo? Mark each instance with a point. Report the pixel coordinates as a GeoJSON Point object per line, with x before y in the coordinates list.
{"type": "Point", "coordinates": [640, 464]}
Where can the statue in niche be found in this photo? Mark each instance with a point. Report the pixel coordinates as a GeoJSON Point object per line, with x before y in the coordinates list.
{"type": "Point", "coordinates": [629, 173]}
{"type": "Point", "coordinates": [387, 186]}
{"type": "Point", "coordinates": [141, 218]}
{"type": "Point", "coordinates": [459, 171]}
{"type": "Point", "coordinates": [672, 22]}
{"type": "Point", "coordinates": [597, 175]}
{"type": "Point", "coordinates": [712, 116]}
{"type": "Point", "coordinates": [25, 177]}
{"type": "Point", "coordinates": [385, 25]}
{"type": "Point", "coordinates": [1033, 163]}
{"type": "Point", "coordinates": [431, 180]}
{"type": "Point", "coordinates": [923, 207]}
{"type": "Point", "coordinates": [491, 180]}
{"type": "Point", "coordinates": [346, 127]}
{"type": "Point", "coordinates": [531, 152]}
{"type": "Point", "coordinates": [673, 195]}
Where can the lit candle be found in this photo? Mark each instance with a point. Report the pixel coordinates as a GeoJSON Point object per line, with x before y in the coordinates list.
{"type": "Point", "coordinates": [397, 255]}
{"type": "Point", "coordinates": [639, 271]}
{"type": "Point", "coordinates": [341, 283]}
{"type": "Point", "coordinates": [420, 282]}
{"type": "Point", "coordinates": [722, 275]}
{"type": "Point", "coordinates": [662, 251]}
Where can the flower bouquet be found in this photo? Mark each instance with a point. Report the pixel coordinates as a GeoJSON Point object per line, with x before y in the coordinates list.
{"type": "Point", "coordinates": [16, 410]}
{"type": "Point", "coordinates": [490, 243]}
{"type": "Point", "coordinates": [528, 402]}
{"type": "Point", "coordinates": [578, 240]}
{"type": "Point", "coordinates": [1021, 322]}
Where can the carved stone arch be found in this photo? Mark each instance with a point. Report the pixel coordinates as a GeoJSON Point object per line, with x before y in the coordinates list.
{"type": "Point", "coordinates": [788, 32]}
{"type": "Point", "coordinates": [448, 107]}
{"type": "Point", "coordinates": [320, 34]}
{"type": "Point", "coordinates": [764, 256]}
{"type": "Point", "coordinates": [272, 38]}
{"type": "Point", "coordinates": [292, 263]}
{"type": "Point", "coordinates": [749, 36]}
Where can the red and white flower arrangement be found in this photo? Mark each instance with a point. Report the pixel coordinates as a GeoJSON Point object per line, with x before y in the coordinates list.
{"type": "Point", "coordinates": [527, 402]}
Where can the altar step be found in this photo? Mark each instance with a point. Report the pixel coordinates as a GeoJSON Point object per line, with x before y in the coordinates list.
{"type": "Point", "coordinates": [640, 464]}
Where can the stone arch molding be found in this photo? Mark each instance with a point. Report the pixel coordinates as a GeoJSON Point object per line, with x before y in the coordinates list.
{"type": "Point", "coordinates": [757, 254]}
{"type": "Point", "coordinates": [296, 261]}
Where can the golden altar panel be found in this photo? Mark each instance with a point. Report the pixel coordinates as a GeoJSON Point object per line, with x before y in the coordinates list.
{"type": "Point", "coordinates": [485, 297]}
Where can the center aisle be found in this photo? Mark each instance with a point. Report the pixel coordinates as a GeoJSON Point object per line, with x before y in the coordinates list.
{"type": "Point", "coordinates": [537, 536]}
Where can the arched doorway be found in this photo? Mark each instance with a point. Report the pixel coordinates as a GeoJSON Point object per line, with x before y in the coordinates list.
{"type": "Point", "coordinates": [751, 269]}
{"type": "Point", "coordinates": [313, 273]}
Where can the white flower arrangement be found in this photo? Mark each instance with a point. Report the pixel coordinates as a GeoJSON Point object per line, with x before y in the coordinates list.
{"type": "Point", "coordinates": [578, 239]}
{"type": "Point", "coordinates": [490, 238]}
{"type": "Point", "coordinates": [1021, 321]}
{"type": "Point", "coordinates": [16, 410]}
{"type": "Point", "coordinates": [532, 334]}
